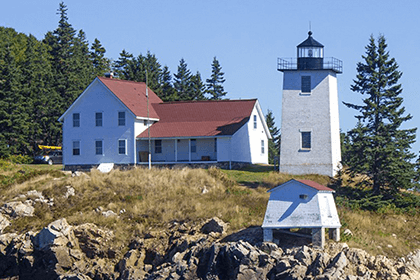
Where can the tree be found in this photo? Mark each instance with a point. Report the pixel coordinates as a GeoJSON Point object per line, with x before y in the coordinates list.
{"type": "Point", "coordinates": [274, 143]}
{"type": "Point", "coordinates": [166, 91]}
{"type": "Point", "coordinates": [215, 83]}
{"type": "Point", "coordinates": [99, 61]}
{"type": "Point", "coordinates": [380, 148]}
{"type": "Point", "coordinates": [197, 87]}
{"type": "Point", "coordinates": [182, 81]}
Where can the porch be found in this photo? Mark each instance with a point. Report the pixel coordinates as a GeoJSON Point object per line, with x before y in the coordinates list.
{"type": "Point", "coordinates": [178, 150]}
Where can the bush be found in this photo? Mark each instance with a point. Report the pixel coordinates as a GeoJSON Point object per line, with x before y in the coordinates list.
{"type": "Point", "coordinates": [20, 159]}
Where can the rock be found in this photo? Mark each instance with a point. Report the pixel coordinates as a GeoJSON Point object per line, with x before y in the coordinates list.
{"type": "Point", "coordinates": [70, 192]}
{"type": "Point", "coordinates": [4, 223]}
{"type": "Point", "coordinates": [93, 241]}
{"type": "Point", "coordinates": [74, 276]}
{"type": "Point", "coordinates": [58, 233]}
{"type": "Point", "coordinates": [347, 232]}
{"type": "Point", "coordinates": [16, 209]}
{"type": "Point", "coordinates": [214, 225]}
{"type": "Point", "coordinates": [109, 213]}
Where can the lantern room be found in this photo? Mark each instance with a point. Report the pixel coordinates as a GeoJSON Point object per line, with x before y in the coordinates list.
{"type": "Point", "coordinates": [310, 54]}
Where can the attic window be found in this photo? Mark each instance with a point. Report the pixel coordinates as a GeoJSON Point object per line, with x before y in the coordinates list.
{"type": "Point", "coordinates": [303, 196]}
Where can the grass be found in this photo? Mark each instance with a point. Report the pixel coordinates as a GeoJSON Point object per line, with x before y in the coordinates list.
{"type": "Point", "coordinates": [147, 200]}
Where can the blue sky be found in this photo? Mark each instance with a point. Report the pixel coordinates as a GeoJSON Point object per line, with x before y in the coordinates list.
{"type": "Point", "coordinates": [246, 36]}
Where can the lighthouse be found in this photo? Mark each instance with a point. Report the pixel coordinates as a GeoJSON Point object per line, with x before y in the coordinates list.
{"type": "Point", "coordinates": [310, 131]}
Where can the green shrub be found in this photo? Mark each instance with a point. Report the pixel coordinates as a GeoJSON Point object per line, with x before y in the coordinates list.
{"type": "Point", "coordinates": [20, 159]}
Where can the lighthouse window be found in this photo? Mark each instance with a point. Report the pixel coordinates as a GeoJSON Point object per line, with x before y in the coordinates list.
{"type": "Point", "coordinates": [306, 84]}
{"type": "Point", "coordinates": [306, 140]}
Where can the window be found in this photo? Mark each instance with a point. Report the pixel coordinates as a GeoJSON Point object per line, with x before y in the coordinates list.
{"type": "Point", "coordinates": [215, 145]}
{"type": "Point", "coordinates": [255, 121]}
{"type": "Point", "coordinates": [193, 146]}
{"type": "Point", "coordinates": [76, 120]}
{"type": "Point", "coordinates": [76, 148]}
{"type": "Point", "coordinates": [98, 119]}
{"type": "Point", "coordinates": [306, 84]}
{"type": "Point", "coordinates": [98, 147]}
{"type": "Point", "coordinates": [121, 118]}
{"type": "Point", "coordinates": [145, 122]}
{"type": "Point", "coordinates": [306, 140]}
{"type": "Point", "coordinates": [122, 147]}
{"type": "Point", "coordinates": [262, 147]}
{"type": "Point", "coordinates": [158, 146]}
{"type": "Point", "coordinates": [303, 196]}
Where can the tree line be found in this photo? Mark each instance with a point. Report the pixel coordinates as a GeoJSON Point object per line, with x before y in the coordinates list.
{"type": "Point", "coordinates": [40, 79]}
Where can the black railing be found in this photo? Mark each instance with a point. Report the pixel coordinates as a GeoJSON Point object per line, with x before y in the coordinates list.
{"type": "Point", "coordinates": [329, 63]}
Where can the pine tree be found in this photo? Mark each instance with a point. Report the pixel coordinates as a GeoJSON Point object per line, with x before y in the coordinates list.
{"type": "Point", "coordinates": [379, 147]}
{"type": "Point", "coordinates": [99, 61]}
{"type": "Point", "coordinates": [182, 81]}
{"type": "Point", "coordinates": [122, 67]}
{"type": "Point", "coordinates": [274, 143]}
{"type": "Point", "coordinates": [197, 87]}
{"type": "Point", "coordinates": [215, 88]}
{"type": "Point", "coordinates": [14, 118]}
{"type": "Point", "coordinates": [166, 91]}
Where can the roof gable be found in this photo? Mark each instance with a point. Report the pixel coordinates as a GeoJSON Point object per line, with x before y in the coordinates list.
{"type": "Point", "coordinates": [133, 95]}
{"type": "Point", "coordinates": [307, 183]}
{"type": "Point", "coordinates": [200, 118]}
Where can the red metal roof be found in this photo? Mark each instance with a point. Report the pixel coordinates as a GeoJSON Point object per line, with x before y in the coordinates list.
{"type": "Point", "coordinates": [200, 118]}
{"type": "Point", "coordinates": [133, 95]}
{"type": "Point", "coordinates": [315, 185]}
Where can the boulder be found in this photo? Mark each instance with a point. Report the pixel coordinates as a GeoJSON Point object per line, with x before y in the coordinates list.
{"type": "Point", "coordinates": [4, 223]}
{"type": "Point", "coordinates": [57, 233]}
{"type": "Point", "coordinates": [16, 209]}
{"type": "Point", "coordinates": [214, 225]}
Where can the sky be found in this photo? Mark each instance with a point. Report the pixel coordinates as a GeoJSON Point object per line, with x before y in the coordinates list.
{"type": "Point", "coordinates": [246, 36]}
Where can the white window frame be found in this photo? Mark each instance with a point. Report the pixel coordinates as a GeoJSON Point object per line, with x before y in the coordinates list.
{"type": "Point", "coordinates": [302, 84]}
{"type": "Point", "coordinates": [262, 146]}
{"type": "Point", "coordinates": [255, 122]}
{"type": "Point", "coordinates": [99, 121]}
{"type": "Point", "coordinates": [122, 121]}
{"type": "Point", "coordinates": [76, 121]}
{"type": "Point", "coordinates": [193, 146]}
{"type": "Point", "coordinates": [302, 131]}
{"type": "Point", "coordinates": [75, 148]}
{"type": "Point", "coordinates": [125, 146]}
{"type": "Point", "coordinates": [158, 148]}
{"type": "Point", "coordinates": [102, 147]}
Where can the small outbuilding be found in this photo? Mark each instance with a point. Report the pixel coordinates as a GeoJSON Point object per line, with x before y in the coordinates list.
{"type": "Point", "coordinates": [302, 204]}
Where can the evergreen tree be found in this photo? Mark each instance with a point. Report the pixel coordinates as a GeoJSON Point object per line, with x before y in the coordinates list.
{"type": "Point", "coordinates": [379, 147]}
{"type": "Point", "coordinates": [14, 120]}
{"type": "Point", "coordinates": [197, 87]}
{"type": "Point", "coordinates": [122, 66]}
{"type": "Point", "coordinates": [166, 91]}
{"type": "Point", "coordinates": [182, 81]}
{"type": "Point", "coordinates": [99, 61]}
{"type": "Point", "coordinates": [215, 84]}
{"type": "Point", "coordinates": [274, 143]}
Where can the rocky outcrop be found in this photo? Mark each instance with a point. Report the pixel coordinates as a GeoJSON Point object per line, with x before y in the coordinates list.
{"type": "Point", "coordinates": [186, 251]}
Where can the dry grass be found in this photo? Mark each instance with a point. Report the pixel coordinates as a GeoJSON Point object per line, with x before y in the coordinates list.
{"type": "Point", "coordinates": [388, 234]}
{"type": "Point", "coordinates": [146, 200]}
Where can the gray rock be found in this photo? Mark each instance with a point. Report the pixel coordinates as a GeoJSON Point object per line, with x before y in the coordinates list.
{"type": "Point", "coordinates": [58, 233]}
{"type": "Point", "coordinates": [16, 209]}
{"type": "Point", "coordinates": [214, 225]}
{"type": "Point", "coordinates": [4, 223]}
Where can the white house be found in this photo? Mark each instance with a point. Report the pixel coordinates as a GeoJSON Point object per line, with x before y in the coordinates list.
{"type": "Point", "coordinates": [302, 204]}
{"type": "Point", "coordinates": [310, 132]}
{"type": "Point", "coordinates": [109, 121]}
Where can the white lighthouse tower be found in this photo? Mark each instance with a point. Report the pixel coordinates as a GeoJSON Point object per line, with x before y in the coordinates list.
{"type": "Point", "coordinates": [310, 132]}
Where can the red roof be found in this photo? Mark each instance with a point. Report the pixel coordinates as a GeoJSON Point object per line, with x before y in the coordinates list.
{"type": "Point", "coordinates": [315, 185]}
{"type": "Point", "coordinates": [200, 118]}
{"type": "Point", "coordinates": [133, 95]}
